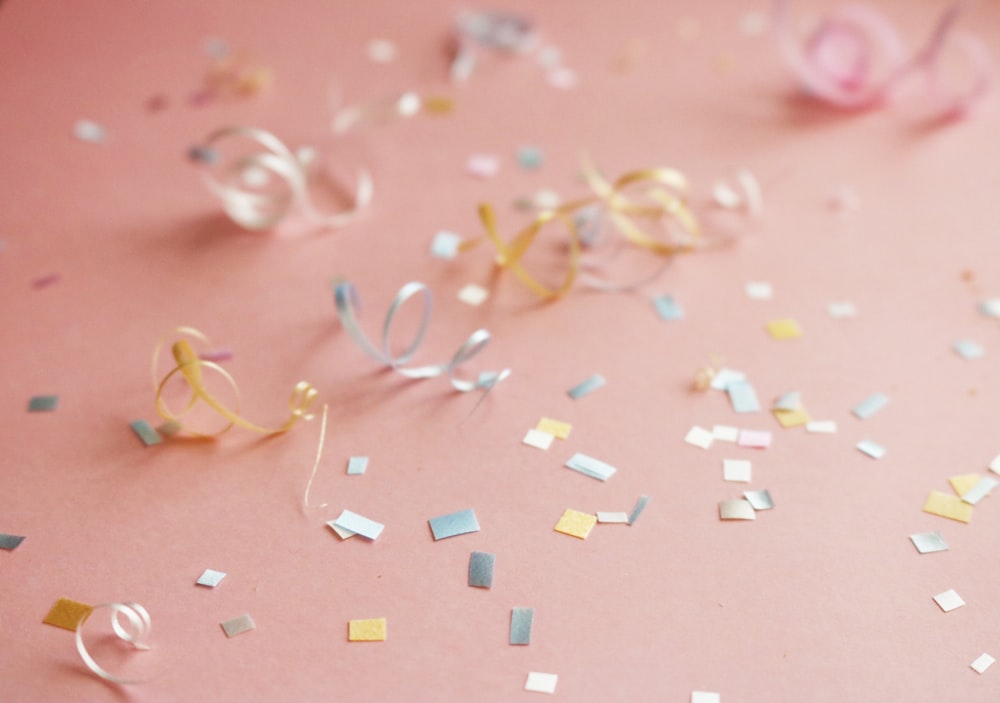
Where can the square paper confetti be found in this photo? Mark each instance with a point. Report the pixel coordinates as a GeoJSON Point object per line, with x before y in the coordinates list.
{"type": "Point", "coordinates": [559, 430]}
{"type": "Point", "coordinates": [586, 387]}
{"type": "Point", "coordinates": [521, 620]}
{"type": "Point", "coordinates": [784, 329]}
{"type": "Point", "coordinates": [359, 525]}
{"type": "Point", "coordinates": [210, 578]}
{"type": "Point", "coordinates": [736, 470]}
{"type": "Point", "coordinates": [576, 524]}
{"type": "Point", "coordinates": [473, 295]}
{"type": "Point", "coordinates": [948, 506]}
{"type": "Point", "coordinates": [10, 542]}
{"type": "Point", "coordinates": [983, 488]}
{"type": "Point", "coordinates": [539, 682]}
{"type": "Point", "coordinates": [67, 614]}
{"type": "Point", "coordinates": [445, 245]}
{"type": "Point", "coordinates": [792, 418]}
{"type": "Point", "coordinates": [529, 157]}
{"type": "Point", "coordinates": [983, 662]}
{"type": "Point", "coordinates": [870, 405]}
{"type": "Point", "coordinates": [725, 433]}
{"type": "Point", "coordinates": [699, 437]}
{"type": "Point", "coordinates": [238, 625]}
{"type": "Point", "coordinates": [371, 630]}
{"type": "Point", "coordinates": [872, 449]}
{"type": "Point", "coordinates": [736, 510]}
{"type": "Point", "coordinates": [481, 565]}
{"type": "Point", "coordinates": [929, 542]}
{"type": "Point", "coordinates": [454, 524]}
{"type": "Point", "coordinates": [949, 600]}
{"type": "Point", "coordinates": [668, 308]}
{"type": "Point", "coordinates": [538, 439]}
{"type": "Point", "coordinates": [759, 500]}
{"type": "Point", "coordinates": [357, 465]}
{"type": "Point", "coordinates": [43, 403]}
{"type": "Point", "coordinates": [591, 467]}
{"type": "Point", "coordinates": [743, 397]}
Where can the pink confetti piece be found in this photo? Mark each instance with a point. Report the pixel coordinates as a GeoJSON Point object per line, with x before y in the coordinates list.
{"type": "Point", "coordinates": [216, 355]}
{"type": "Point", "coordinates": [482, 166]}
{"type": "Point", "coordinates": [46, 280]}
{"type": "Point", "coordinates": [754, 439]}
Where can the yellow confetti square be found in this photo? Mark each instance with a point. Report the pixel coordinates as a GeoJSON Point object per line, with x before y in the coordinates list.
{"type": "Point", "coordinates": [948, 506]}
{"type": "Point", "coordinates": [554, 427]}
{"type": "Point", "coordinates": [963, 484]}
{"type": "Point", "coordinates": [67, 614]}
{"type": "Point", "coordinates": [576, 524]}
{"type": "Point", "coordinates": [792, 418]}
{"type": "Point", "coordinates": [438, 104]}
{"type": "Point", "coordinates": [371, 630]}
{"type": "Point", "coordinates": [784, 329]}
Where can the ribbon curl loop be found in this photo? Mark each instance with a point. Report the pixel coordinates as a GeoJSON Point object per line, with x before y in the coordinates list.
{"type": "Point", "coordinates": [135, 631]}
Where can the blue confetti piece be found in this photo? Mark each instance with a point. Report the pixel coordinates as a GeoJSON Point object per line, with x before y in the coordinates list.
{"type": "Point", "coordinates": [668, 308]}
{"type": "Point", "coordinates": [146, 432]}
{"type": "Point", "coordinates": [454, 524]}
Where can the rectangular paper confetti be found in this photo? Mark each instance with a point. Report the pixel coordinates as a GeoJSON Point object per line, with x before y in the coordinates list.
{"type": "Point", "coordinates": [67, 614]}
{"type": "Point", "coordinates": [586, 387]}
{"type": "Point", "coordinates": [983, 662]}
{"type": "Point", "coordinates": [576, 524]}
{"type": "Point", "coordinates": [871, 448]}
{"type": "Point", "coordinates": [754, 439]}
{"type": "Point", "coordinates": [949, 600]}
{"type": "Point", "coordinates": [520, 625]}
{"type": "Point", "coordinates": [736, 470]}
{"type": "Point", "coordinates": [210, 578]}
{"type": "Point", "coordinates": [10, 542]}
{"type": "Point", "coordinates": [784, 329]}
{"type": "Point", "coordinates": [870, 405]}
{"type": "Point", "coordinates": [481, 565]}
{"type": "Point", "coordinates": [538, 439]}
{"type": "Point", "coordinates": [237, 626]}
{"type": "Point", "coordinates": [370, 630]}
{"type": "Point", "coordinates": [982, 489]}
{"type": "Point", "coordinates": [968, 349]}
{"type": "Point", "coordinates": [454, 524]}
{"type": "Point", "coordinates": [738, 509]}
{"type": "Point", "coordinates": [473, 295]}
{"type": "Point", "coordinates": [759, 290]}
{"type": "Point", "coordinates": [637, 509]}
{"type": "Point", "coordinates": [445, 245]}
{"type": "Point", "coordinates": [822, 427]}
{"type": "Point", "coordinates": [591, 467]}
{"type": "Point", "coordinates": [357, 465]}
{"type": "Point", "coordinates": [43, 403]}
{"type": "Point", "coordinates": [705, 697]}
{"type": "Point", "coordinates": [145, 432]}
{"type": "Point", "coordinates": [726, 433]}
{"type": "Point", "coordinates": [539, 682]}
{"type": "Point", "coordinates": [612, 518]}
{"type": "Point", "coordinates": [841, 310]}
{"type": "Point", "coordinates": [791, 418]}
{"type": "Point", "coordinates": [948, 506]}
{"type": "Point", "coordinates": [743, 397]}
{"type": "Point", "coordinates": [559, 430]}
{"type": "Point", "coordinates": [359, 525]}
{"type": "Point", "coordinates": [667, 308]}
{"type": "Point", "coordinates": [929, 542]}
{"type": "Point", "coordinates": [699, 437]}
{"type": "Point", "coordinates": [759, 500]}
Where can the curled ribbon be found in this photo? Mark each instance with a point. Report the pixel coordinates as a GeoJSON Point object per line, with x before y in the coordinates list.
{"type": "Point", "coordinates": [346, 300]}
{"type": "Point", "coordinates": [135, 631]}
{"type": "Point", "coordinates": [241, 187]}
{"type": "Point", "coordinates": [189, 365]}
{"type": "Point", "coordinates": [836, 62]}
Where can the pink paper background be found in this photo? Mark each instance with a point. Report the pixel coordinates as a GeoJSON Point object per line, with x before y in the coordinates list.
{"type": "Point", "coordinates": [821, 599]}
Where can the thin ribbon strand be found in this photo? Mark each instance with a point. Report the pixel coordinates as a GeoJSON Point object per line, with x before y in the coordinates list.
{"type": "Point", "coordinates": [135, 632]}
{"type": "Point", "coordinates": [319, 455]}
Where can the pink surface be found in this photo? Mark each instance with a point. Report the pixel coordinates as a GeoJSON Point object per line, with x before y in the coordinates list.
{"type": "Point", "coordinates": [821, 599]}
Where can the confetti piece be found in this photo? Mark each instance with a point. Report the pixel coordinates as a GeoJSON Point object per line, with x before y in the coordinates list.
{"type": "Point", "coordinates": [538, 439]}
{"type": "Point", "coordinates": [87, 131]}
{"type": "Point", "coordinates": [841, 310]}
{"type": "Point", "coordinates": [539, 682]}
{"type": "Point", "coordinates": [238, 625]}
{"type": "Point", "coordinates": [743, 397]}
{"type": "Point", "coordinates": [990, 308]}
{"type": "Point", "coordinates": [699, 437]}
{"type": "Point", "coordinates": [371, 630]}
{"type": "Point", "coordinates": [784, 329]}
{"type": "Point", "coordinates": [948, 506]}
{"type": "Point", "coordinates": [340, 531]}
{"type": "Point", "coordinates": [357, 465]}
{"type": "Point", "coordinates": [736, 470]}
{"type": "Point", "coordinates": [134, 632]}
{"type": "Point", "coordinates": [994, 465]}
{"type": "Point", "coordinates": [559, 430]}
{"type": "Point", "coordinates": [45, 281]}
{"type": "Point", "coordinates": [929, 542]}
{"type": "Point", "coordinates": [667, 308]}
{"type": "Point", "coordinates": [871, 448]}
{"type": "Point", "coordinates": [724, 377]}
{"type": "Point", "coordinates": [67, 614]}
{"type": "Point", "coordinates": [792, 418]}
{"type": "Point", "coordinates": [949, 600]}
{"type": "Point", "coordinates": [788, 401]}
{"type": "Point", "coordinates": [347, 301]}
{"type": "Point", "coordinates": [145, 432]}
{"type": "Point", "coordinates": [705, 697]}
{"type": "Point", "coordinates": [576, 524]}
{"type": "Point", "coordinates": [10, 542]}
{"type": "Point", "coordinates": [637, 509]}
{"type": "Point", "coordinates": [754, 439]}
{"type": "Point", "coordinates": [473, 295]}
{"type": "Point", "coordinates": [746, 197]}
{"type": "Point", "coordinates": [521, 620]}
{"type": "Point", "coordinates": [759, 500]}
{"type": "Point", "coordinates": [445, 245]}
{"type": "Point", "coordinates": [204, 155]}
{"type": "Point", "coordinates": [725, 433]}
{"type": "Point", "coordinates": [210, 578]}
{"type": "Point", "coordinates": [983, 662]}
{"type": "Point", "coordinates": [454, 524]}
{"type": "Point", "coordinates": [586, 387]}
{"type": "Point", "coordinates": [870, 405]}
{"type": "Point", "coordinates": [964, 483]}
{"type": "Point", "coordinates": [530, 157]}
{"type": "Point", "coordinates": [759, 290]}
{"type": "Point", "coordinates": [359, 525]}
{"type": "Point", "coordinates": [481, 566]}
{"type": "Point", "coordinates": [968, 349]}
{"type": "Point", "coordinates": [822, 427]}
{"type": "Point", "coordinates": [381, 51]}
{"type": "Point", "coordinates": [482, 165]}
{"type": "Point", "coordinates": [738, 509]}
{"type": "Point", "coordinates": [43, 403]}
{"type": "Point", "coordinates": [591, 467]}
{"type": "Point", "coordinates": [983, 488]}
{"type": "Point", "coordinates": [612, 518]}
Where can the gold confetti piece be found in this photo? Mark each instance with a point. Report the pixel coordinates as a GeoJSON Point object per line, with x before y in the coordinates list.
{"type": "Point", "coordinates": [190, 366]}
{"type": "Point", "coordinates": [784, 329]}
{"type": "Point", "coordinates": [555, 428]}
{"type": "Point", "coordinates": [792, 418]}
{"type": "Point", "coordinates": [67, 614]}
{"type": "Point", "coordinates": [438, 104]}
{"type": "Point", "coordinates": [964, 483]}
{"type": "Point", "coordinates": [576, 524]}
{"type": "Point", "coordinates": [948, 506]}
{"type": "Point", "coordinates": [371, 630]}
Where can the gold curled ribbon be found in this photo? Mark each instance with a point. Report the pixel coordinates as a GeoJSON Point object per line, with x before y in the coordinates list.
{"type": "Point", "coordinates": [189, 365]}
{"type": "Point", "coordinates": [662, 191]}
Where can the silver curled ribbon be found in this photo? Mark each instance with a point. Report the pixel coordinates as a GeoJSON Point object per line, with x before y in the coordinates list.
{"type": "Point", "coordinates": [256, 209]}
{"type": "Point", "coordinates": [347, 301]}
{"type": "Point", "coordinates": [135, 631]}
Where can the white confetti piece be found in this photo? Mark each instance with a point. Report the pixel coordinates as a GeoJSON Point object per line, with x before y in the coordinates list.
{"type": "Point", "coordinates": [871, 448]}
{"type": "Point", "coordinates": [983, 662]}
{"type": "Point", "coordinates": [870, 405]}
{"type": "Point", "coordinates": [759, 500]}
{"type": "Point", "coordinates": [726, 433]}
{"type": "Point", "coordinates": [445, 245]}
{"type": "Point", "coordinates": [340, 531]}
{"type": "Point", "coordinates": [736, 470]}
{"type": "Point", "coordinates": [473, 294]}
{"type": "Point", "coordinates": [994, 465]}
{"type": "Point", "coordinates": [968, 349]}
{"type": "Point", "coordinates": [822, 427]}
{"type": "Point", "coordinates": [612, 518]}
{"type": "Point", "coordinates": [705, 697]}
{"type": "Point", "coordinates": [381, 51]}
{"type": "Point", "coordinates": [359, 525]}
{"type": "Point", "coordinates": [724, 377]}
{"type": "Point", "coordinates": [210, 578]}
{"type": "Point", "coordinates": [590, 466]}
{"type": "Point", "coordinates": [87, 131]}
{"type": "Point", "coordinates": [841, 310]}
{"type": "Point", "coordinates": [539, 682]}
{"type": "Point", "coordinates": [738, 509]}
{"type": "Point", "coordinates": [990, 307]}
{"type": "Point", "coordinates": [929, 542]}
{"type": "Point", "coordinates": [699, 437]}
{"type": "Point", "coordinates": [949, 600]}
{"type": "Point", "coordinates": [759, 290]}
{"type": "Point", "coordinates": [538, 439]}
{"type": "Point", "coordinates": [982, 489]}
{"type": "Point", "coordinates": [357, 465]}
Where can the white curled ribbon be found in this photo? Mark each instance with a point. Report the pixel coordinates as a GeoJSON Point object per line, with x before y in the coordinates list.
{"type": "Point", "coordinates": [257, 209]}
{"type": "Point", "coordinates": [346, 300]}
{"type": "Point", "coordinates": [135, 631]}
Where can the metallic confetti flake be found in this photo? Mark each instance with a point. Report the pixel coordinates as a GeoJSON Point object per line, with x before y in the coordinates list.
{"type": "Point", "coordinates": [67, 614]}
{"type": "Point", "coordinates": [586, 387]}
{"type": "Point", "coordinates": [538, 439]}
{"type": "Point", "coordinates": [482, 165]}
{"type": "Point", "coordinates": [668, 308]}
{"type": "Point", "coordinates": [736, 470]}
{"type": "Point", "coordinates": [210, 578]}
{"type": "Point", "coordinates": [481, 565]}
{"type": "Point", "coordinates": [949, 600]}
{"type": "Point", "coordinates": [754, 439]}
{"type": "Point", "coordinates": [738, 509]}
{"type": "Point", "coordinates": [43, 403]}
{"type": "Point", "coordinates": [724, 377]}
{"type": "Point", "coordinates": [145, 432]}
{"type": "Point", "coordinates": [637, 509]}
{"type": "Point", "coordinates": [822, 427]}
{"type": "Point", "coordinates": [964, 483]}
{"type": "Point", "coordinates": [612, 518]}
{"type": "Point", "coordinates": [699, 437]}
{"type": "Point", "coordinates": [841, 310]}
{"type": "Point", "coordinates": [784, 329]}
{"type": "Point", "coordinates": [473, 295]}
{"type": "Point", "coordinates": [929, 542]}
{"type": "Point", "coordinates": [559, 430]}
{"type": "Point", "coordinates": [982, 489]}
{"type": "Point", "coordinates": [359, 525]}
{"type": "Point", "coordinates": [871, 448]}
{"type": "Point", "coordinates": [705, 697]}
{"type": "Point", "coordinates": [454, 524]}
{"type": "Point", "coordinates": [357, 465]}
{"type": "Point", "coordinates": [948, 506]}
{"type": "Point", "coordinates": [791, 418]}
{"type": "Point", "coordinates": [340, 531]}
{"type": "Point", "coordinates": [759, 500]}
{"type": "Point", "coordinates": [983, 662]}
{"type": "Point", "coordinates": [590, 466]}
{"type": "Point", "coordinates": [539, 682]}
{"type": "Point", "coordinates": [759, 290]}
{"type": "Point", "coordinates": [743, 397]}
{"type": "Point", "coordinates": [725, 433]}
{"type": "Point", "coordinates": [237, 626]}
{"type": "Point", "coordinates": [530, 157]}
{"type": "Point", "coordinates": [576, 524]}
{"type": "Point", "coordinates": [10, 542]}
{"type": "Point", "coordinates": [520, 625]}
{"type": "Point", "coordinates": [87, 131]}
{"type": "Point", "coordinates": [445, 245]}
{"type": "Point", "coordinates": [968, 349]}
{"type": "Point", "coordinates": [870, 405]}
{"type": "Point", "coordinates": [370, 630]}
{"type": "Point", "coordinates": [788, 401]}
{"type": "Point", "coordinates": [990, 307]}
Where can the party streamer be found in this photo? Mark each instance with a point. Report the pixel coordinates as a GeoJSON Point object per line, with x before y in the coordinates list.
{"type": "Point", "coordinates": [247, 184]}
{"type": "Point", "coordinates": [190, 366]}
{"type": "Point", "coordinates": [135, 631]}
{"type": "Point", "coordinates": [347, 302]}
{"type": "Point", "coordinates": [836, 63]}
